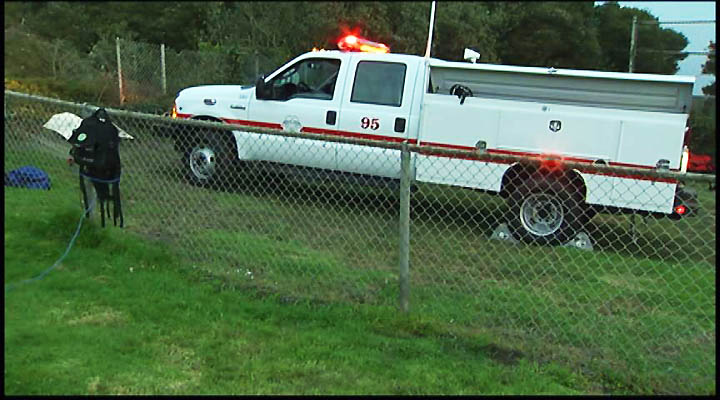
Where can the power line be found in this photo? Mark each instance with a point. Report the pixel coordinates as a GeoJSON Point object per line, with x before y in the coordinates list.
{"type": "Point", "coordinates": [651, 22]}
{"type": "Point", "coordinates": [634, 34]}
{"type": "Point", "coordinates": [690, 53]}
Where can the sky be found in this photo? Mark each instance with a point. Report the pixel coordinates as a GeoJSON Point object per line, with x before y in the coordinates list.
{"type": "Point", "coordinates": [698, 35]}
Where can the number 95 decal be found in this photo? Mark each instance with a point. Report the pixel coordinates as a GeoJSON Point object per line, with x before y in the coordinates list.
{"type": "Point", "coordinates": [373, 123]}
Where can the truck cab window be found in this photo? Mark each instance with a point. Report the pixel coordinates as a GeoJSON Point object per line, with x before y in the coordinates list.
{"type": "Point", "coordinates": [311, 78]}
{"type": "Point", "coordinates": [379, 82]}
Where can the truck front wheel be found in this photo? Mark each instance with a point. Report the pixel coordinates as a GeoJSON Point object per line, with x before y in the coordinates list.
{"type": "Point", "coordinates": [208, 158]}
{"type": "Point", "coordinates": [543, 211]}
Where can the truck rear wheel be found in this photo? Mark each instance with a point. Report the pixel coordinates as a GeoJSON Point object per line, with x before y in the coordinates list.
{"type": "Point", "coordinates": [209, 157]}
{"type": "Point", "coordinates": [544, 211]}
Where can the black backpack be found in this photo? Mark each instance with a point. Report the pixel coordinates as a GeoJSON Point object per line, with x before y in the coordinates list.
{"type": "Point", "coordinates": [95, 148]}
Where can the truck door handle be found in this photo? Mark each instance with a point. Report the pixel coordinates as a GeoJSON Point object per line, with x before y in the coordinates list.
{"type": "Point", "coordinates": [237, 106]}
{"type": "Point", "coordinates": [330, 117]}
{"type": "Point", "coordinates": [399, 125]}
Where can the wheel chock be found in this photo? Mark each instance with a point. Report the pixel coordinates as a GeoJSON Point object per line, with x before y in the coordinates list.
{"type": "Point", "coordinates": [580, 241]}
{"type": "Point", "coordinates": [502, 232]}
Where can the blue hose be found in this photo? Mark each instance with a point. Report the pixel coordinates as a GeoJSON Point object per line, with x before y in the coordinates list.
{"type": "Point", "coordinates": [12, 286]}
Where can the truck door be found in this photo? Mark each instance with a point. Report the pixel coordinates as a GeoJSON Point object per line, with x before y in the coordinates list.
{"type": "Point", "coordinates": [375, 105]}
{"type": "Point", "coordinates": [300, 98]}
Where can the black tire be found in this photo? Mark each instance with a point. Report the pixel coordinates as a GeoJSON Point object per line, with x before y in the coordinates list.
{"type": "Point", "coordinates": [545, 211]}
{"type": "Point", "coordinates": [589, 212]}
{"type": "Point", "coordinates": [209, 158]}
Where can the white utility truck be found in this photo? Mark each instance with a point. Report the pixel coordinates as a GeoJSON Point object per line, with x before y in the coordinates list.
{"type": "Point", "coordinates": [593, 117]}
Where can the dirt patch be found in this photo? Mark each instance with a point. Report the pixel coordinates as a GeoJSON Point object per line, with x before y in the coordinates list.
{"type": "Point", "coordinates": [501, 354]}
{"type": "Point", "coordinates": [98, 316]}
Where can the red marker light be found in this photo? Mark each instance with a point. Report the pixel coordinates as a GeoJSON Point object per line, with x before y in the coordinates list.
{"type": "Point", "coordinates": [680, 210]}
{"type": "Point", "coordinates": [551, 162]}
{"type": "Point", "coordinates": [354, 43]}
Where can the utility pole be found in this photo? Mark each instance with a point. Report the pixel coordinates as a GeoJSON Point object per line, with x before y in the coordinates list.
{"type": "Point", "coordinates": [634, 35]}
{"type": "Point", "coordinates": [633, 44]}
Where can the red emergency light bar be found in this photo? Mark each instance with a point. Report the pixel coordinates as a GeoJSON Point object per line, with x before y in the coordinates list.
{"type": "Point", "coordinates": [354, 43]}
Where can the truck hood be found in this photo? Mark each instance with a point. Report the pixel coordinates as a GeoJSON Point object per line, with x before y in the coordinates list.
{"type": "Point", "coordinates": [234, 91]}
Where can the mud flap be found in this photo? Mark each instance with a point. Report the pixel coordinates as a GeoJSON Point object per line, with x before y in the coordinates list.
{"type": "Point", "coordinates": [687, 197]}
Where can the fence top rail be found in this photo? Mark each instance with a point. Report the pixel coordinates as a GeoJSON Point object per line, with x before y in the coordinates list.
{"type": "Point", "coordinates": [422, 149]}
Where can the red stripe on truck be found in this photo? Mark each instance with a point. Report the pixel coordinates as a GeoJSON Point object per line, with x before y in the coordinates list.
{"type": "Point", "coordinates": [395, 139]}
{"type": "Point", "coordinates": [575, 159]}
{"type": "Point", "coordinates": [357, 135]}
{"type": "Point", "coordinates": [255, 124]}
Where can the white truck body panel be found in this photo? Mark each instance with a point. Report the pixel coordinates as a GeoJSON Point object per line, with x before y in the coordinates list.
{"type": "Point", "coordinates": [622, 119]}
{"type": "Point", "coordinates": [466, 173]}
{"type": "Point", "coordinates": [664, 93]}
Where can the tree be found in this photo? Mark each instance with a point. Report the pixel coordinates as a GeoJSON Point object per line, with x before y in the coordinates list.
{"type": "Point", "coordinates": [704, 126]}
{"type": "Point", "coordinates": [410, 36]}
{"type": "Point", "coordinates": [658, 49]}
{"type": "Point", "coordinates": [70, 21]}
{"type": "Point", "coordinates": [558, 34]}
{"type": "Point", "coordinates": [709, 68]}
{"type": "Point", "coordinates": [703, 115]}
{"type": "Point", "coordinates": [84, 23]}
{"type": "Point", "coordinates": [459, 25]}
{"type": "Point", "coordinates": [260, 36]}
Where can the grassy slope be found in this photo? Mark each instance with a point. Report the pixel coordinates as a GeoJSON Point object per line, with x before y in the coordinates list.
{"type": "Point", "coordinates": [139, 322]}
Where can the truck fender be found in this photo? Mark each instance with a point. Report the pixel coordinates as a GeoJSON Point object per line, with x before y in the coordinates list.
{"type": "Point", "coordinates": [237, 137]}
{"type": "Point", "coordinates": [519, 173]}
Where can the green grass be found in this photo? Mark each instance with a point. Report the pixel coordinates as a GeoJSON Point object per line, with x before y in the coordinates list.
{"type": "Point", "coordinates": [633, 316]}
{"type": "Point", "coordinates": [121, 315]}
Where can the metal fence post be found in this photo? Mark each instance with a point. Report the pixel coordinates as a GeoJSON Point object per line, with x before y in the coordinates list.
{"type": "Point", "coordinates": [120, 85]}
{"type": "Point", "coordinates": [404, 244]}
{"type": "Point", "coordinates": [162, 66]}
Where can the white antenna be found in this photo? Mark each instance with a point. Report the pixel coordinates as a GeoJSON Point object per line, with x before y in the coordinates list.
{"type": "Point", "coordinates": [430, 34]}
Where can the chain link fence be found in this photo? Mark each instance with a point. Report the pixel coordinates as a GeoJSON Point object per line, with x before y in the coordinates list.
{"type": "Point", "coordinates": [121, 72]}
{"type": "Point", "coordinates": [636, 313]}
{"type": "Point", "coordinates": [151, 72]}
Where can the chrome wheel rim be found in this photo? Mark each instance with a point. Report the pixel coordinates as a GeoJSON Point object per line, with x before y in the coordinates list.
{"type": "Point", "coordinates": [202, 162]}
{"type": "Point", "coordinates": [541, 214]}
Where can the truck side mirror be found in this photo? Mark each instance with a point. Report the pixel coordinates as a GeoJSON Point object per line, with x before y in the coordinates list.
{"type": "Point", "coordinates": [260, 89]}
